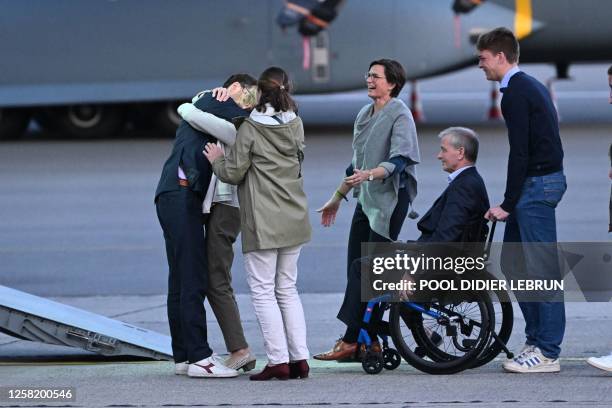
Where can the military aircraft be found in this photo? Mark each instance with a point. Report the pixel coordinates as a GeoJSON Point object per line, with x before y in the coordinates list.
{"type": "Point", "coordinates": [85, 68]}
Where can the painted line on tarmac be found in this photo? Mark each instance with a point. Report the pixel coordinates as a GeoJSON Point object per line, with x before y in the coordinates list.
{"type": "Point", "coordinates": [127, 248]}
{"type": "Point", "coordinates": [123, 248]}
{"type": "Point", "coordinates": [316, 364]}
{"type": "Point", "coordinates": [69, 363]}
{"type": "Point", "coordinates": [333, 364]}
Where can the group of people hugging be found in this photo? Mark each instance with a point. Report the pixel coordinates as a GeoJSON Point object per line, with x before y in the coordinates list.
{"type": "Point", "coordinates": [236, 167]}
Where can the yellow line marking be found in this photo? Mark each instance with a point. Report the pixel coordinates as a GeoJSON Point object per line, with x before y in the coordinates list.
{"type": "Point", "coordinates": [523, 19]}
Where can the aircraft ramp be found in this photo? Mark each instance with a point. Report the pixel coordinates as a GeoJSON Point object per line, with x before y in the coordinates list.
{"type": "Point", "coordinates": [33, 318]}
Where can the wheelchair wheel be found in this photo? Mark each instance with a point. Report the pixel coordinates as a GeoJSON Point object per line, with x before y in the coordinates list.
{"type": "Point", "coordinates": [461, 326]}
{"type": "Point", "coordinates": [391, 359]}
{"type": "Point", "coordinates": [372, 363]}
{"type": "Point", "coordinates": [431, 343]}
{"type": "Point", "coordinates": [501, 322]}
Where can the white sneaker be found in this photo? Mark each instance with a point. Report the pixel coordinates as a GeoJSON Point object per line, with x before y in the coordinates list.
{"type": "Point", "coordinates": [518, 357]}
{"type": "Point", "coordinates": [603, 363]}
{"type": "Point", "coordinates": [211, 367]}
{"type": "Point", "coordinates": [181, 368]}
{"type": "Point", "coordinates": [521, 354]}
{"type": "Point", "coordinates": [533, 362]}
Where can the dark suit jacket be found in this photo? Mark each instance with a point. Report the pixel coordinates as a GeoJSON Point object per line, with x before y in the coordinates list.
{"type": "Point", "coordinates": [188, 146]}
{"type": "Point", "coordinates": [533, 133]}
{"type": "Point", "coordinates": [464, 202]}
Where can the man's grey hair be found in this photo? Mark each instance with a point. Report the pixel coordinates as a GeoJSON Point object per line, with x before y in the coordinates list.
{"type": "Point", "coordinates": [462, 137]}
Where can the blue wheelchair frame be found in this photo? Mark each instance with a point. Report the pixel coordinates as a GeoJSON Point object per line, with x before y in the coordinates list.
{"type": "Point", "coordinates": [364, 336]}
{"type": "Point", "coordinates": [381, 301]}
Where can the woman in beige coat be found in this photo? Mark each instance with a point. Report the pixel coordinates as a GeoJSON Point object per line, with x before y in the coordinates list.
{"type": "Point", "coordinates": [266, 164]}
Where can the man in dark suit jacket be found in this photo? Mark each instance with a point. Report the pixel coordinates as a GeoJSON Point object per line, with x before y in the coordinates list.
{"type": "Point", "coordinates": [182, 186]}
{"type": "Point", "coordinates": [534, 186]}
{"type": "Point", "coordinates": [465, 199]}
{"type": "Point", "coordinates": [462, 204]}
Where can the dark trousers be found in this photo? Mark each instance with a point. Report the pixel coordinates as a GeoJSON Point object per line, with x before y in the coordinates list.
{"type": "Point", "coordinates": [361, 232]}
{"type": "Point", "coordinates": [352, 309]}
{"type": "Point", "coordinates": [222, 228]}
{"type": "Point", "coordinates": [180, 215]}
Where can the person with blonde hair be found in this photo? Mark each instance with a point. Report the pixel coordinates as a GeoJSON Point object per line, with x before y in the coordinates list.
{"type": "Point", "coordinates": [266, 164]}
{"type": "Point", "coordinates": [222, 217]}
{"type": "Point", "coordinates": [183, 184]}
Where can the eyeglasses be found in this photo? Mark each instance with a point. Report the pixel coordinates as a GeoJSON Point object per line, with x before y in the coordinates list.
{"type": "Point", "coordinates": [372, 75]}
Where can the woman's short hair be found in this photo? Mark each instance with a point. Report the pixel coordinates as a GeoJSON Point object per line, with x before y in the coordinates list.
{"type": "Point", "coordinates": [394, 72]}
{"type": "Point", "coordinates": [274, 87]}
{"type": "Point", "coordinates": [462, 137]}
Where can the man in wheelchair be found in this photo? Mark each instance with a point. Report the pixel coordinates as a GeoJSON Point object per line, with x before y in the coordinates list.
{"type": "Point", "coordinates": [463, 203]}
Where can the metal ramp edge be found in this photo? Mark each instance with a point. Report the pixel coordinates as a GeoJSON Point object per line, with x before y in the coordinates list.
{"type": "Point", "coordinates": [34, 318]}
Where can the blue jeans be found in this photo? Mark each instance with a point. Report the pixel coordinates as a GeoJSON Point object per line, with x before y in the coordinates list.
{"type": "Point", "coordinates": [533, 220]}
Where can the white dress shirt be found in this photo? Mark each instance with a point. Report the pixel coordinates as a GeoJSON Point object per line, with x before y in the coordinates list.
{"type": "Point", "coordinates": [455, 173]}
{"type": "Point", "coordinates": [506, 78]}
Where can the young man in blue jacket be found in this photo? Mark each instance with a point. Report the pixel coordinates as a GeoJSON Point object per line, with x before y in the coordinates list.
{"type": "Point", "coordinates": [535, 184]}
{"type": "Point", "coordinates": [179, 196]}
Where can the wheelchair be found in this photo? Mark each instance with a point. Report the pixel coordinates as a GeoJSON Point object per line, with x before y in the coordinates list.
{"type": "Point", "coordinates": [445, 335]}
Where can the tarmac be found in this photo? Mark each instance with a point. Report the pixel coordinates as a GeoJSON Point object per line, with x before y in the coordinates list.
{"type": "Point", "coordinates": [78, 226]}
{"type": "Point", "coordinates": [99, 382]}
{"type": "Point", "coordinates": [78, 219]}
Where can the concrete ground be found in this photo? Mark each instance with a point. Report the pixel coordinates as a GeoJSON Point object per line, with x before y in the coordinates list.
{"type": "Point", "coordinates": [78, 225]}
{"type": "Point", "coordinates": [153, 384]}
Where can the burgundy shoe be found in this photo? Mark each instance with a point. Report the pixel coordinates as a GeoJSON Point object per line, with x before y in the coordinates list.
{"type": "Point", "coordinates": [280, 371]}
{"type": "Point", "coordinates": [298, 369]}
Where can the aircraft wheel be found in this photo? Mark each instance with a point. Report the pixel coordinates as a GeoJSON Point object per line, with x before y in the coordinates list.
{"type": "Point", "coordinates": [166, 119]}
{"type": "Point", "coordinates": [89, 121]}
{"type": "Point", "coordinates": [46, 119]}
{"type": "Point", "coordinates": [13, 123]}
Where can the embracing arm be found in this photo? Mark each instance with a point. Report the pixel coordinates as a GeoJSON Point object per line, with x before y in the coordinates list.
{"type": "Point", "coordinates": [208, 123]}
{"type": "Point", "coordinates": [233, 167]}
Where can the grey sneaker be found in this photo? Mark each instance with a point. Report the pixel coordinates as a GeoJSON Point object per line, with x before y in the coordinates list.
{"type": "Point", "coordinates": [211, 367]}
{"type": "Point", "coordinates": [533, 362]}
{"type": "Point", "coordinates": [246, 363]}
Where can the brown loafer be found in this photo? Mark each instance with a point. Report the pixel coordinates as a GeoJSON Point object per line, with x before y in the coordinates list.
{"type": "Point", "coordinates": [340, 351]}
{"type": "Point", "coordinates": [375, 347]}
{"type": "Point", "coordinates": [358, 357]}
